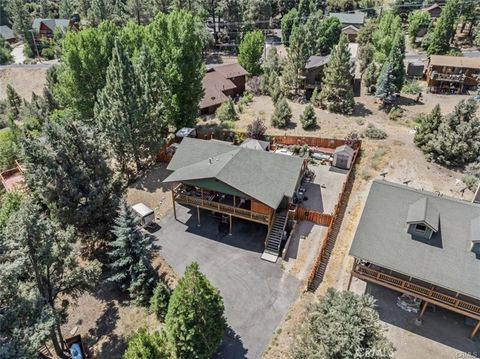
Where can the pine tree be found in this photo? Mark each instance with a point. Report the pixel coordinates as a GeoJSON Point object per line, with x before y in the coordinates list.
{"type": "Point", "coordinates": [428, 128]}
{"type": "Point", "coordinates": [337, 93]}
{"type": "Point", "coordinates": [342, 325]}
{"type": "Point", "coordinates": [69, 173]}
{"type": "Point", "coordinates": [143, 345]}
{"type": "Point", "coordinates": [444, 29]}
{"type": "Point", "coordinates": [40, 264]}
{"type": "Point", "coordinates": [386, 88]}
{"type": "Point", "coordinates": [124, 125]}
{"type": "Point", "coordinates": [396, 57]}
{"type": "Point", "coordinates": [195, 324]}
{"type": "Point", "coordinates": [315, 98]}
{"type": "Point", "coordinates": [14, 102]}
{"type": "Point", "coordinates": [308, 118]}
{"type": "Point", "coordinates": [129, 255]}
{"type": "Point", "coordinates": [227, 112]}
{"type": "Point", "coordinates": [159, 301]}
{"type": "Point", "coordinates": [297, 57]}
{"type": "Point", "coordinates": [282, 114]}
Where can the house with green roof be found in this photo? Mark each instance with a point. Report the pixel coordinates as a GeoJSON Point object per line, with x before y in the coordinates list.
{"type": "Point", "coordinates": [422, 244]}
{"type": "Point", "coordinates": [236, 182]}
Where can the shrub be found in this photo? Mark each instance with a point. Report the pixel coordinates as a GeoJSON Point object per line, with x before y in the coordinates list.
{"type": "Point", "coordinates": [352, 138]}
{"type": "Point", "coordinates": [228, 125]}
{"type": "Point", "coordinates": [144, 345]}
{"type": "Point", "coordinates": [472, 176]}
{"type": "Point", "coordinates": [226, 111]}
{"type": "Point", "coordinates": [412, 88]}
{"type": "Point", "coordinates": [48, 53]}
{"type": "Point", "coordinates": [159, 301]}
{"type": "Point", "coordinates": [308, 118]}
{"type": "Point", "coordinates": [395, 114]}
{"type": "Point", "coordinates": [360, 121]}
{"type": "Point", "coordinates": [27, 51]}
{"type": "Point", "coordinates": [282, 114]}
{"type": "Point", "coordinates": [256, 129]}
{"type": "Point", "coordinates": [315, 98]}
{"type": "Point", "coordinates": [374, 133]}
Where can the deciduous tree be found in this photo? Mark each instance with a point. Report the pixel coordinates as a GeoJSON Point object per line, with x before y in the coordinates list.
{"type": "Point", "coordinates": [251, 51]}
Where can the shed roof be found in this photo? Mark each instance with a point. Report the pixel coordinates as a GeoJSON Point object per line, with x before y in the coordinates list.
{"type": "Point", "coordinates": [445, 260]}
{"type": "Point", "coordinates": [344, 148]}
{"type": "Point", "coordinates": [317, 61]}
{"type": "Point", "coordinates": [230, 70]}
{"type": "Point", "coordinates": [6, 32]}
{"type": "Point", "coordinates": [455, 61]}
{"type": "Point", "coordinates": [264, 176]}
{"type": "Point", "coordinates": [349, 18]}
{"type": "Point", "coordinates": [255, 144]}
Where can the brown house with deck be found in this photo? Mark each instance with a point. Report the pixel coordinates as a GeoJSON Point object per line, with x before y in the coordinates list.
{"type": "Point", "coordinates": [420, 244]}
{"type": "Point", "coordinates": [452, 74]}
{"type": "Point", "coordinates": [220, 83]}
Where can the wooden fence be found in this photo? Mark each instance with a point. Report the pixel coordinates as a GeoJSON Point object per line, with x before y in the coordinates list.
{"type": "Point", "coordinates": [323, 219]}
{"type": "Point", "coordinates": [328, 242]}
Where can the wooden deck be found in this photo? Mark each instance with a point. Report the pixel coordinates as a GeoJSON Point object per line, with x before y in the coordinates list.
{"type": "Point", "coordinates": [12, 179]}
{"type": "Point", "coordinates": [222, 208]}
{"type": "Point", "coordinates": [427, 294]}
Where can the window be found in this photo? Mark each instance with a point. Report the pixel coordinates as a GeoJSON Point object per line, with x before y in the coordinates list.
{"type": "Point", "coordinates": [421, 228]}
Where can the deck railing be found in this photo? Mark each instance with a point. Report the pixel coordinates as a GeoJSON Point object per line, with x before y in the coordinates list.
{"type": "Point", "coordinates": [430, 295]}
{"type": "Point", "coordinates": [222, 208]}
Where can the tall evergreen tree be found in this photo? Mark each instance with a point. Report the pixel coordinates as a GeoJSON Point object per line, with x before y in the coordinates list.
{"type": "Point", "coordinates": [396, 58]}
{"type": "Point", "coordinates": [20, 19]}
{"type": "Point", "coordinates": [40, 262]}
{"type": "Point", "coordinates": [308, 118]}
{"type": "Point", "coordinates": [282, 114]}
{"type": "Point", "coordinates": [342, 325]}
{"type": "Point", "coordinates": [14, 102]}
{"type": "Point", "coordinates": [126, 128]}
{"type": "Point", "coordinates": [177, 51]}
{"type": "Point", "coordinates": [130, 257]}
{"type": "Point", "coordinates": [289, 22]}
{"type": "Point", "coordinates": [297, 57]}
{"type": "Point", "coordinates": [195, 324]}
{"type": "Point", "coordinates": [444, 29]}
{"type": "Point", "coordinates": [68, 172]}
{"type": "Point", "coordinates": [386, 84]}
{"type": "Point", "coordinates": [337, 92]}
{"type": "Point", "coordinates": [306, 8]}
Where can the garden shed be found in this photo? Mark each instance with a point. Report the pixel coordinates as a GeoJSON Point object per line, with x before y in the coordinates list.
{"type": "Point", "coordinates": [343, 156]}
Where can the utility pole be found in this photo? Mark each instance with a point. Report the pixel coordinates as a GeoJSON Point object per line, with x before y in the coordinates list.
{"type": "Point", "coordinates": [34, 43]}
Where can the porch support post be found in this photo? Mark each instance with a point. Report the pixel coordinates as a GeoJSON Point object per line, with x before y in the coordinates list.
{"type": "Point", "coordinates": [201, 190]}
{"type": "Point", "coordinates": [230, 233]}
{"type": "Point", "coordinates": [425, 304]}
{"type": "Point", "coordinates": [350, 281]}
{"type": "Point", "coordinates": [173, 200]}
{"type": "Point", "coordinates": [198, 216]}
{"type": "Point", "coordinates": [475, 330]}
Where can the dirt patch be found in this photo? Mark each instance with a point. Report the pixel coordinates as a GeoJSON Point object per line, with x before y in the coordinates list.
{"type": "Point", "coordinates": [24, 81]}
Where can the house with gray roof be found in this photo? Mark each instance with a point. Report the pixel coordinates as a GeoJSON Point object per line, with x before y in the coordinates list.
{"type": "Point", "coordinates": [421, 244]}
{"type": "Point", "coordinates": [351, 22]}
{"type": "Point", "coordinates": [236, 181]}
{"type": "Point", "coordinates": [7, 33]}
{"type": "Point", "coordinates": [47, 27]}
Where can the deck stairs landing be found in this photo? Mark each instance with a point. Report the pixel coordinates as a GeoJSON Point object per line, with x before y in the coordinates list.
{"type": "Point", "coordinates": [274, 238]}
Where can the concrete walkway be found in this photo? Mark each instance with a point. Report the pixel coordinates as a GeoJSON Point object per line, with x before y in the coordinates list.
{"type": "Point", "coordinates": [256, 293]}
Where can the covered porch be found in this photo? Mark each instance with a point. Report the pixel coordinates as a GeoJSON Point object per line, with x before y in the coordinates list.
{"type": "Point", "coordinates": [228, 205]}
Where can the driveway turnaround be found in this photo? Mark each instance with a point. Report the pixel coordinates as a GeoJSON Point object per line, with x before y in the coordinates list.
{"type": "Point", "coordinates": [256, 293]}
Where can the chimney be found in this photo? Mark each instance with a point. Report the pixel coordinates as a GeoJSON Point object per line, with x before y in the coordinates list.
{"type": "Point", "coordinates": [476, 198]}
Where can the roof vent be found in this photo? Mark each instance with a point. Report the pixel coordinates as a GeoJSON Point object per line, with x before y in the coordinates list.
{"type": "Point", "coordinates": [210, 160]}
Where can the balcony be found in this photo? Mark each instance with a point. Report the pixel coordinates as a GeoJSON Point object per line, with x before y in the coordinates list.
{"type": "Point", "coordinates": [428, 294]}
{"type": "Point", "coordinates": [460, 78]}
{"type": "Point", "coordinates": [218, 202]}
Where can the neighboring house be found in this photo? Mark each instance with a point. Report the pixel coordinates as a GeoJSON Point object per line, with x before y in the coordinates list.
{"type": "Point", "coordinates": [220, 83]}
{"type": "Point", "coordinates": [434, 10]}
{"type": "Point", "coordinates": [47, 27]}
{"type": "Point", "coordinates": [452, 74]}
{"type": "Point", "coordinates": [420, 244]}
{"type": "Point", "coordinates": [7, 34]}
{"type": "Point", "coordinates": [351, 23]}
{"type": "Point", "coordinates": [313, 73]}
{"type": "Point", "coordinates": [235, 181]}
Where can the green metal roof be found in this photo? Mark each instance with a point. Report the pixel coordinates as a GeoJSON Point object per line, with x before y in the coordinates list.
{"type": "Point", "coordinates": [264, 176]}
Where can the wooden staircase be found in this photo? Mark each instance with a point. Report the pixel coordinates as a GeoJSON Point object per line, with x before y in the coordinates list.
{"type": "Point", "coordinates": [274, 237]}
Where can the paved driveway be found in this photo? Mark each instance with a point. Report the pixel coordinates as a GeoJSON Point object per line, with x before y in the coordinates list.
{"type": "Point", "coordinates": [256, 293]}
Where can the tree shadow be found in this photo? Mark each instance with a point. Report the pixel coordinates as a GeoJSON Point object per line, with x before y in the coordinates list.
{"type": "Point", "coordinates": [314, 128]}
{"type": "Point", "coordinates": [213, 58]}
{"type": "Point", "coordinates": [360, 110]}
{"type": "Point", "coordinates": [152, 179]}
{"type": "Point", "coordinates": [406, 101]}
{"type": "Point", "coordinates": [231, 347]}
